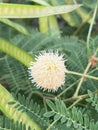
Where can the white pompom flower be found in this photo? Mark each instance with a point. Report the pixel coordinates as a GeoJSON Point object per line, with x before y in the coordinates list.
{"type": "Point", "coordinates": [48, 71]}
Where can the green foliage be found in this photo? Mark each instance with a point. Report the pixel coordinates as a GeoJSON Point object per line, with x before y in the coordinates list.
{"type": "Point", "coordinates": [93, 100]}
{"type": "Point", "coordinates": [16, 26]}
{"type": "Point", "coordinates": [76, 60]}
{"type": "Point", "coordinates": [33, 105]}
{"type": "Point", "coordinates": [78, 17]}
{"type": "Point", "coordinates": [29, 11]}
{"type": "Point", "coordinates": [6, 124]}
{"type": "Point", "coordinates": [73, 118]}
{"type": "Point", "coordinates": [16, 75]}
{"type": "Point", "coordinates": [32, 109]}
{"type": "Point", "coordinates": [8, 107]}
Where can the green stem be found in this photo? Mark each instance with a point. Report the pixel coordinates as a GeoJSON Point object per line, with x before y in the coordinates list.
{"type": "Point", "coordinates": [51, 124]}
{"type": "Point", "coordinates": [17, 53]}
{"type": "Point", "coordinates": [67, 89]}
{"type": "Point", "coordinates": [13, 113]}
{"type": "Point", "coordinates": [83, 75]}
{"type": "Point", "coordinates": [91, 27]}
{"type": "Point", "coordinates": [79, 97]}
{"type": "Point", "coordinates": [81, 80]}
{"type": "Point", "coordinates": [78, 100]}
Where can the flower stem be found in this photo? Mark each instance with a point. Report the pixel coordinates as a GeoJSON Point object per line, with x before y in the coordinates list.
{"type": "Point", "coordinates": [83, 75]}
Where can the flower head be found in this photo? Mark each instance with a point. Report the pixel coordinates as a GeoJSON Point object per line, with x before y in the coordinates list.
{"type": "Point", "coordinates": [48, 72]}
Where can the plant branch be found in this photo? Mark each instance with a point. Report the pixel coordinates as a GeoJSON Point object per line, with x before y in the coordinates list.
{"type": "Point", "coordinates": [78, 100]}
{"type": "Point", "coordinates": [81, 80]}
{"type": "Point", "coordinates": [79, 97]}
{"type": "Point", "coordinates": [91, 27]}
{"type": "Point", "coordinates": [83, 75]}
{"type": "Point", "coordinates": [51, 124]}
{"type": "Point", "coordinates": [67, 89]}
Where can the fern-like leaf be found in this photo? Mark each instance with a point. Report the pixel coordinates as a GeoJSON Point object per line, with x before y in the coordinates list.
{"type": "Point", "coordinates": [93, 100]}
{"type": "Point", "coordinates": [6, 124]}
{"type": "Point", "coordinates": [32, 109]}
{"type": "Point", "coordinates": [72, 118]}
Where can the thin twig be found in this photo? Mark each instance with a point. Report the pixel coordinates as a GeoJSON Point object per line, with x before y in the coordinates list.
{"type": "Point", "coordinates": [67, 89]}
{"type": "Point", "coordinates": [75, 103]}
{"type": "Point", "coordinates": [79, 97]}
{"type": "Point", "coordinates": [84, 75]}
{"type": "Point", "coordinates": [82, 79]}
{"type": "Point", "coordinates": [91, 27]}
{"type": "Point", "coordinates": [51, 124]}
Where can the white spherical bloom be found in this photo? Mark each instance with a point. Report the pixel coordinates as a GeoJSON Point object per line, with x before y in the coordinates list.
{"type": "Point", "coordinates": [48, 72]}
